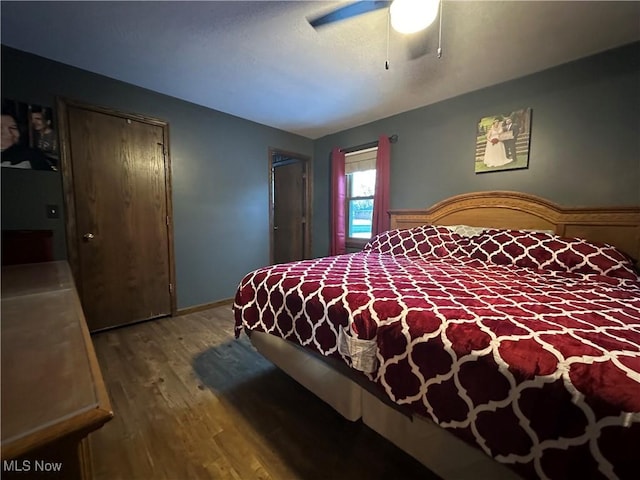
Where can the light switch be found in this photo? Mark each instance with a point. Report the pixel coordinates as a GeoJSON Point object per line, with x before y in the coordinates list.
{"type": "Point", "coordinates": [52, 211]}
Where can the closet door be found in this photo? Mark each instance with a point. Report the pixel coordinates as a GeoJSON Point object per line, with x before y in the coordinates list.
{"type": "Point", "coordinates": [117, 185]}
{"type": "Point", "coordinates": [290, 207]}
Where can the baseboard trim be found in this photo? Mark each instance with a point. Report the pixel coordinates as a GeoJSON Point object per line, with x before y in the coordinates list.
{"type": "Point", "coordinates": [204, 306]}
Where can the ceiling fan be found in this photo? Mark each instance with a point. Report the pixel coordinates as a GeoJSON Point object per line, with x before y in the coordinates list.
{"type": "Point", "coordinates": [407, 16]}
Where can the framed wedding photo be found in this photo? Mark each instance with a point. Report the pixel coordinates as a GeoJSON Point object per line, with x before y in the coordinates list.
{"type": "Point", "coordinates": [502, 141]}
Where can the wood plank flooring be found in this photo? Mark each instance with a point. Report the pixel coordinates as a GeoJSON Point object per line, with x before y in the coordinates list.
{"type": "Point", "coordinates": [191, 402]}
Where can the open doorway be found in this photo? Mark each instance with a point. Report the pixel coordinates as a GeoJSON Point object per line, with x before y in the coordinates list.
{"type": "Point", "coordinates": [290, 206]}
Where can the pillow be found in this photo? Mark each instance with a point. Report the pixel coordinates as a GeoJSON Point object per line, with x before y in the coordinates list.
{"type": "Point", "coordinates": [548, 251]}
{"type": "Point", "coordinates": [470, 231]}
{"type": "Point", "coordinates": [418, 241]}
{"type": "Point", "coordinates": [466, 230]}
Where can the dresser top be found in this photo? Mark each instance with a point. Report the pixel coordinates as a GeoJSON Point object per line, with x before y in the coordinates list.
{"type": "Point", "coordinates": [51, 383]}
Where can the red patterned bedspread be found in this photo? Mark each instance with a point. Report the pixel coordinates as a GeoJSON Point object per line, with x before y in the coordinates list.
{"type": "Point", "coordinates": [540, 369]}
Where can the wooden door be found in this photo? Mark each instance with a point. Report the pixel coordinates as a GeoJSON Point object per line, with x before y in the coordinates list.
{"type": "Point", "coordinates": [290, 208]}
{"type": "Point", "coordinates": [116, 174]}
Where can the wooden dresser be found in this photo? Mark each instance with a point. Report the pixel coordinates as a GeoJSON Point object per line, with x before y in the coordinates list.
{"type": "Point", "coordinates": [52, 393]}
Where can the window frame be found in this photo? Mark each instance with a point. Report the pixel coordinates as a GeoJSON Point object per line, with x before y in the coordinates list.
{"type": "Point", "coordinates": [355, 242]}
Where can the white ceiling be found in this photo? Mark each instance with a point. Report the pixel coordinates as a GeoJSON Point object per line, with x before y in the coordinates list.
{"type": "Point", "coordinates": [263, 61]}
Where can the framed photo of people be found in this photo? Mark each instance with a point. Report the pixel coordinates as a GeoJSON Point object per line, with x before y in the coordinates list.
{"type": "Point", "coordinates": [502, 141]}
{"type": "Point", "coordinates": [29, 136]}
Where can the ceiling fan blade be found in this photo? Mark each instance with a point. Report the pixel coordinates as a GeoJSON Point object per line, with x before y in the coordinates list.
{"type": "Point", "coordinates": [348, 11]}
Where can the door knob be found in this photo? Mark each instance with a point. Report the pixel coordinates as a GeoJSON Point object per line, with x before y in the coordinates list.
{"type": "Point", "coordinates": [88, 236]}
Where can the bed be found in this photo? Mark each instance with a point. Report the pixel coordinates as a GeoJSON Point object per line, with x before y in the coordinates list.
{"type": "Point", "coordinates": [493, 335]}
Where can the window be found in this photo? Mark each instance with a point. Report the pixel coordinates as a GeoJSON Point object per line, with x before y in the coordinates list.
{"type": "Point", "coordinates": [360, 172]}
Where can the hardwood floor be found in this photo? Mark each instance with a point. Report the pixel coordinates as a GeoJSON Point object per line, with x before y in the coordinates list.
{"type": "Point", "coordinates": [191, 402]}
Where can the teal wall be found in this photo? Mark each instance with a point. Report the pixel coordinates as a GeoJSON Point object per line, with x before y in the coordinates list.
{"type": "Point", "coordinates": [585, 141]}
{"type": "Point", "coordinates": [25, 196]}
{"type": "Point", "coordinates": [219, 165]}
{"type": "Point", "coordinates": [585, 150]}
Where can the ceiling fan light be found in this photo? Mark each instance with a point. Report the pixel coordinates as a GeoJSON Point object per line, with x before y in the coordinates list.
{"type": "Point", "coordinates": [410, 16]}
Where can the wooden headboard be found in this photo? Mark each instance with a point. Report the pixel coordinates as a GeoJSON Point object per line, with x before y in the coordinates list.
{"type": "Point", "coordinates": [618, 226]}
